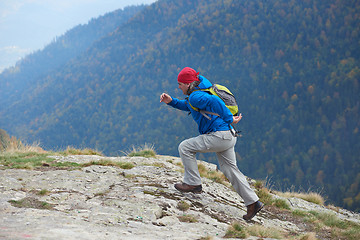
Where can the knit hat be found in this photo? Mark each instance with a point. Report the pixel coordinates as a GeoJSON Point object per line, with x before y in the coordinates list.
{"type": "Point", "coordinates": [188, 75]}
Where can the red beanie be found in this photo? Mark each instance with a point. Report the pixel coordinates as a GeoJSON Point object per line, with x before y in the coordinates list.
{"type": "Point", "coordinates": [188, 75]}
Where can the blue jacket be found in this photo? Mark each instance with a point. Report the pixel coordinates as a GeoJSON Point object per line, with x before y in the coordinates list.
{"type": "Point", "coordinates": [208, 102]}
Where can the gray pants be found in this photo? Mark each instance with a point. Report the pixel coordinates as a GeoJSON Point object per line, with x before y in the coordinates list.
{"type": "Point", "coordinates": [222, 143]}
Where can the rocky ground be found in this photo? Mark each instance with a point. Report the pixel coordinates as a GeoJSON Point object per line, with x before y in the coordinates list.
{"type": "Point", "coordinates": [107, 202]}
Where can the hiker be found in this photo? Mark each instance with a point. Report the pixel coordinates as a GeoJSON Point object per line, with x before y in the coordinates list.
{"type": "Point", "coordinates": [215, 136]}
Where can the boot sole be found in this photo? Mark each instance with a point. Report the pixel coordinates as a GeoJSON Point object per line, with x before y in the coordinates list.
{"type": "Point", "coordinates": [192, 191]}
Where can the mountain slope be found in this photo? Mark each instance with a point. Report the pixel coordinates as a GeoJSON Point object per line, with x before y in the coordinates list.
{"type": "Point", "coordinates": [294, 67]}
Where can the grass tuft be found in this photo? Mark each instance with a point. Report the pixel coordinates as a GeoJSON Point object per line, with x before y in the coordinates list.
{"type": "Point", "coordinates": [265, 232]}
{"type": "Point", "coordinates": [188, 218]}
{"type": "Point", "coordinates": [43, 192]}
{"type": "Point", "coordinates": [74, 151]}
{"type": "Point", "coordinates": [123, 165]}
{"type": "Point", "coordinates": [265, 197]}
{"type": "Point", "coordinates": [144, 151]}
{"type": "Point", "coordinates": [183, 206]}
{"type": "Point", "coordinates": [236, 230]}
{"type": "Point", "coordinates": [29, 202]}
{"type": "Point", "coordinates": [281, 203]}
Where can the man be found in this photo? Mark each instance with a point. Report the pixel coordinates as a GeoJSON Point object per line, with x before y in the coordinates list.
{"type": "Point", "coordinates": [215, 136]}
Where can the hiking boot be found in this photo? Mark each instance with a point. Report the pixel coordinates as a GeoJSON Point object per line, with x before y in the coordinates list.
{"type": "Point", "coordinates": [252, 210]}
{"type": "Point", "coordinates": [183, 187]}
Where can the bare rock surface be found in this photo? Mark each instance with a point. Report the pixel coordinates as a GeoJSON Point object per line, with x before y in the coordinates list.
{"type": "Point", "coordinates": [107, 202]}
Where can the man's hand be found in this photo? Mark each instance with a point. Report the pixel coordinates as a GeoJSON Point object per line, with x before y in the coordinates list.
{"type": "Point", "coordinates": [237, 119]}
{"type": "Point", "coordinates": [165, 98]}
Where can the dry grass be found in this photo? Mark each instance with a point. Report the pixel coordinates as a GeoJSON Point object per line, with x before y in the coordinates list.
{"type": "Point", "coordinates": [74, 151]}
{"type": "Point", "coordinates": [15, 145]}
{"type": "Point", "coordinates": [309, 236]}
{"type": "Point", "coordinates": [123, 165]}
{"type": "Point", "coordinates": [188, 218]}
{"type": "Point", "coordinates": [143, 151]}
{"type": "Point", "coordinates": [265, 232]}
{"type": "Point", "coordinates": [310, 197]}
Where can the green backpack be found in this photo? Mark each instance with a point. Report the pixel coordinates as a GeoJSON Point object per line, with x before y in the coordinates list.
{"type": "Point", "coordinates": [228, 98]}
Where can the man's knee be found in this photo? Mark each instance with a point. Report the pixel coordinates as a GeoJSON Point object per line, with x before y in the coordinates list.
{"type": "Point", "coordinates": [185, 149]}
{"type": "Point", "coordinates": [182, 147]}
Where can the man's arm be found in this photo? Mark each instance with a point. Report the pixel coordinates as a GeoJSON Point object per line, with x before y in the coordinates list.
{"type": "Point", "coordinates": [176, 103]}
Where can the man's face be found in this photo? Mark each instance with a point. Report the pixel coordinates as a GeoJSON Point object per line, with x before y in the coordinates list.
{"type": "Point", "coordinates": [184, 87]}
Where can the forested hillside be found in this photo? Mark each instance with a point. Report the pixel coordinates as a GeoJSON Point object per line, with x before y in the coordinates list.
{"type": "Point", "coordinates": [293, 65]}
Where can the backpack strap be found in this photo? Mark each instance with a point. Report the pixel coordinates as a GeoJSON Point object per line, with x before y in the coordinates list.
{"type": "Point", "coordinates": [233, 131]}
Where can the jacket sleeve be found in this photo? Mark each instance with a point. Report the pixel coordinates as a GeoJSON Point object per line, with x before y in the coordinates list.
{"type": "Point", "coordinates": [179, 104]}
{"type": "Point", "coordinates": [211, 103]}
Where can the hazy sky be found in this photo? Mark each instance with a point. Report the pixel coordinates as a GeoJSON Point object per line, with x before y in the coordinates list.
{"type": "Point", "coordinates": [29, 25]}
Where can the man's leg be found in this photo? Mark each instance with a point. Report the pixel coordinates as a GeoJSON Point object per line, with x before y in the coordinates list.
{"type": "Point", "coordinates": [227, 163]}
{"type": "Point", "coordinates": [187, 151]}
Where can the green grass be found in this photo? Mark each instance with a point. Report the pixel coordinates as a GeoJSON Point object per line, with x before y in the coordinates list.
{"type": "Point", "coordinates": [33, 160]}
{"type": "Point", "coordinates": [299, 213]}
{"type": "Point", "coordinates": [322, 221]}
{"type": "Point", "coordinates": [43, 192]}
{"type": "Point", "coordinates": [267, 199]}
{"type": "Point", "coordinates": [281, 203]}
{"type": "Point", "coordinates": [31, 203]}
{"type": "Point", "coordinates": [27, 160]}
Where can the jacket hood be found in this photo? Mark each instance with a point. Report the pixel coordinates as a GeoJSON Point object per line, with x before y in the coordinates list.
{"type": "Point", "coordinates": [204, 82]}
